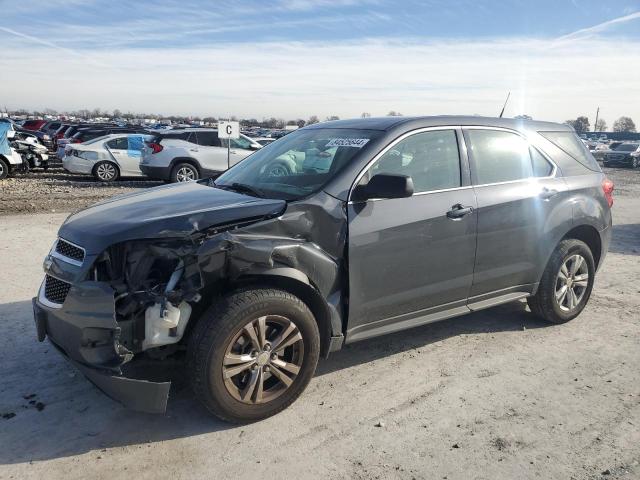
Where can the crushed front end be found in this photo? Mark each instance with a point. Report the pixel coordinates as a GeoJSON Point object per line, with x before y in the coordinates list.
{"type": "Point", "coordinates": [101, 310]}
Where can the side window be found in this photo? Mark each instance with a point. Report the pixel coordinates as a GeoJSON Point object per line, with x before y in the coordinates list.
{"type": "Point", "coordinates": [118, 143]}
{"type": "Point", "coordinates": [499, 156]}
{"type": "Point", "coordinates": [240, 143]}
{"type": "Point", "coordinates": [207, 139]}
{"type": "Point", "coordinates": [431, 159]}
{"type": "Point", "coordinates": [541, 166]}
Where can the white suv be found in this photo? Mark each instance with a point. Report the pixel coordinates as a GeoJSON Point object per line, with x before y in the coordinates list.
{"type": "Point", "coordinates": [189, 154]}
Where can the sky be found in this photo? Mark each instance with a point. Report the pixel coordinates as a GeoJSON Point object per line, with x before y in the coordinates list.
{"type": "Point", "coordinates": [297, 58]}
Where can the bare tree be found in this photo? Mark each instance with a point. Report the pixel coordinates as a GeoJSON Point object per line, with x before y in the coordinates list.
{"type": "Point", "coordinates": [393, 113]}
{"type": "Point", "coordinates": [313, 119]}
{"type": "Point", "coordinates": [365, 115]}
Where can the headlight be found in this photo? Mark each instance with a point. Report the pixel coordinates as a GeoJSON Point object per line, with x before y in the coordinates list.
{"type": "Point", "coordinates": [46, 137]}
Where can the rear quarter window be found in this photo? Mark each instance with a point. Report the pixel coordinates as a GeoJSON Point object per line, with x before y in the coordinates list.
{"type": "Point", "coordinates": [570, 144]}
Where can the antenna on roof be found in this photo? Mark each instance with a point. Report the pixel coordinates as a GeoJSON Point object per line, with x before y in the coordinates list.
{"type": "Point", "coordinates": [505, 104]}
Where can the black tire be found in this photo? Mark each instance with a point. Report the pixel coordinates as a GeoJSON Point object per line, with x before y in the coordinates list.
{"type": "Point", "coordinates": [4, 169]}
{"type": "Point", "coordinates": [106, 171]}
{"type": "Point", "coordinates": [216, 332]}
{"type": "Point", "coordinates": [605, 164]}
{"type": "Point", "coordinates": [544, 303]}
{"type": "Point", "coordinates": [181, 171]}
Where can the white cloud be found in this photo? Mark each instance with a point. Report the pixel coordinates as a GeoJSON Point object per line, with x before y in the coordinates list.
{"type": "Point", "coordinates": [548, 80]}
{"type": "Point", "coordinates": [601, 27]}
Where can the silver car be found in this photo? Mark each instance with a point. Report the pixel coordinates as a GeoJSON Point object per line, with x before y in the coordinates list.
{"type": "Point", "coordinates": [107, 158]}
{"type": "Point", "coordinates": [189, 154]}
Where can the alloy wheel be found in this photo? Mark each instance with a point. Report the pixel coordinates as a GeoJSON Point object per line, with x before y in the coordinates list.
{"type": "Point", "coordinates": [263, 359]}
{"type": "Point", "coordinates": [106, 171]}
{"type": "Point", "coordinates": [185, 174]}
{"type": "Point", "coordinates": [571, 282]}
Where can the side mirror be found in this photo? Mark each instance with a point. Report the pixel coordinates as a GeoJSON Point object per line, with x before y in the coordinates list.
{"type": "Point", "coordinates": [384, 185]}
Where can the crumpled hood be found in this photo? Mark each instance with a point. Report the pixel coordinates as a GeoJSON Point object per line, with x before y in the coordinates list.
{"type": "Point", "coordinates": [163, 212]}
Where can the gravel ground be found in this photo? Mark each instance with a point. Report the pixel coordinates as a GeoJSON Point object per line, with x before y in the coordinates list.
{"type": "Point", "coordinates": [494, 394]}
{"type": "Point", "coordinates": [59, 191]}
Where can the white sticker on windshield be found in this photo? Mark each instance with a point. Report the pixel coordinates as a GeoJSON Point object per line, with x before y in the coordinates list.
{"type": "Point", "coordinates": [347, 142]}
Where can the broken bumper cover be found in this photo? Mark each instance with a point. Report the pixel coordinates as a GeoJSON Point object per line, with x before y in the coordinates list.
{"type": "Point", "coordinates": [86, 340]}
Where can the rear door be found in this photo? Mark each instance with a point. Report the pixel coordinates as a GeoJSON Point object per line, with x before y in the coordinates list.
{"type": "Point", "coordinates": [211, 156]}
{"type": "Point", "coordinates": [128, 161]}
{"type": "Point", "coordinates": [412, 258]}
{"type": "Point", "coordinates": [518, 191]}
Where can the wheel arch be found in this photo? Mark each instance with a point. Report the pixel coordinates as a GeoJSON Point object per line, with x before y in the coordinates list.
{"type": "Point", "coordinates": [298, 284]}
{"type": "Point", "coordinates": [589, 235]}
{"type": "Point", "coordinates": [189, 160]}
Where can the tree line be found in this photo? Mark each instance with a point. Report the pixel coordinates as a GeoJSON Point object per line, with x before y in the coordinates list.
{"type": "Point", "coordinates": [582, 125]}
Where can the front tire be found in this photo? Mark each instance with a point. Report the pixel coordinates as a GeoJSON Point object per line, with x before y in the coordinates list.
{"type": "Point", "coordinates": [566, 283]}
{"type": "Point", "coordinates": [252, 354]}
{"type": "Point", "coordinates": [106, 172]}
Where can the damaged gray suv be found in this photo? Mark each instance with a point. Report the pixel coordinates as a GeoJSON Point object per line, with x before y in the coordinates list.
{"type": "Point", "coordinates": [375, 226]}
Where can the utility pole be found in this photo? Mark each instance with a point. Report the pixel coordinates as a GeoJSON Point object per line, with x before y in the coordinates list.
{"type": "Point", "coordinates": [595, 125]}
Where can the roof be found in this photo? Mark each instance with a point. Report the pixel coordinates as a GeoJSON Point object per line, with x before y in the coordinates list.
{"type": "Point", "coordinates": [387, 123]}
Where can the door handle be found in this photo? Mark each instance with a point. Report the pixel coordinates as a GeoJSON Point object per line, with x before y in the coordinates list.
{"type": "Point", "coordinates": [458, 211]}
{"type": "Point", "coordinates": [193, 149]}
{"type": "Point", "coordinates": [232, 151]}
{"type": "Point", "coordinates": [548, 193]}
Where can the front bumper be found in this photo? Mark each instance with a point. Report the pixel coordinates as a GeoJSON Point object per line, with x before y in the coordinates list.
{"type": "Point", "coordinates": [84, 330]}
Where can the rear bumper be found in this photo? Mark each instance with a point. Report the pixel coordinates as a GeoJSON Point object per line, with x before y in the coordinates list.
{"type": "Point", "coordinates": [77, 165]}
{"type": "Point", "coordinates": [159, 173]}
{"type": "Point", "coordinates": [83, 329]}
{"type": "Point", "coordinates": [625, 161]}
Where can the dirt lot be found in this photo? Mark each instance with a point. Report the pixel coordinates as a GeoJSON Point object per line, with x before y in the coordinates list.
{"type": "Point", "coordinates": [496, 394]}
{"type": "Point", "coordinates": [59, 191]}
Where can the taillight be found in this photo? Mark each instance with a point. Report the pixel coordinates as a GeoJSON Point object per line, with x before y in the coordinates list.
{"type": "Point", "coordinates": [156, 147]}
{"type": "Point", "coordinates": [607, 188]}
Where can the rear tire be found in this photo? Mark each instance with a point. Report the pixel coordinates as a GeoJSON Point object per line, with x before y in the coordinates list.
{"type": "Point", "coordinates": [4, 169]}
{"type": "Point", "coordinates": [184, 172]}
{"type": "Point", "coordinates": [558, 300]}
{"type": "Point", "coordinates": [106, 171]}
{"type": "Point", "coordinates": [230, 335]}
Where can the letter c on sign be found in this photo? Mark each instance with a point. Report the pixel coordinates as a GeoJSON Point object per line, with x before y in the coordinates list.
{"type": "Point", "coordinates": [229, 129]}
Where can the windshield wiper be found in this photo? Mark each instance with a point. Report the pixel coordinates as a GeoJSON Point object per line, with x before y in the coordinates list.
{"type": "Point", "coordinates": [244, 188]}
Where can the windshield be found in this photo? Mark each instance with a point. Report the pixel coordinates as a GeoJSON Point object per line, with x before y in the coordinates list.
{"type": "Point", "coordinates": [297, 165]}
{"type": "Point", "coordinates": [627, 147]}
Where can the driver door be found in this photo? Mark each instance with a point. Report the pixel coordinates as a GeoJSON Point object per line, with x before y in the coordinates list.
{"type": "Point", "coordinates": [412, 258]}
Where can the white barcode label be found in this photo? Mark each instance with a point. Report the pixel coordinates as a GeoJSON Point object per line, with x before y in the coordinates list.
{"type": "Point", "coordinates": [347, 142]}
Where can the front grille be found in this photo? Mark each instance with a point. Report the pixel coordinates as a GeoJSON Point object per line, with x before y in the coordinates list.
{"type": "Point", "coordinates": [55, 290]}
{"type": "Point", "coordinates": [615, 157]}
{"type": "Point", "coordinates": [69, 250]}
